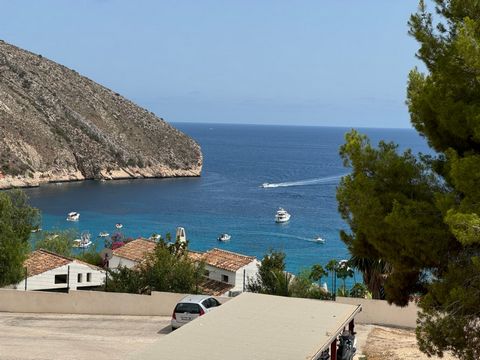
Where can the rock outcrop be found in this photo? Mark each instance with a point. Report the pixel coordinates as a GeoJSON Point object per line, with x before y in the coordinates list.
{"type": "Point", "coordinates": [56, 125]}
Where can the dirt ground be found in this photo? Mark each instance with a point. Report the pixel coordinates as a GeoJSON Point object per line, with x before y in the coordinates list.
{"type": "Point", "coordinates": [382, 343]}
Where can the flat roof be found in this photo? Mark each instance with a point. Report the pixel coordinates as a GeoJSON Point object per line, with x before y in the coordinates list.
{"type": "Point", "coordinates": [254, 326]}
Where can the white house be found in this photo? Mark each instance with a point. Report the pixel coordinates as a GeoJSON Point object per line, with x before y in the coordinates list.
{"type": "Point", "coordinates": [227, 273]}
{"type": "Point", "coordinates": [132, 253]}
{"type": "Point", "coordinates": [46, 270]}
{"type": "Point", "coordinates": [230, 268]}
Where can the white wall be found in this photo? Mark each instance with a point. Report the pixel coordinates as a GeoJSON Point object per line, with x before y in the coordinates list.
{"type": "Point", "coordinates": [379, 312]}
{"type": "Point", "coordinates": [216, 274]}
{"type": "Point", "coordinates": [46, 280]}
{"type": "Point", "coordinates": [251, 273]}
{"type": "Point", "coordinates": [117, 261]}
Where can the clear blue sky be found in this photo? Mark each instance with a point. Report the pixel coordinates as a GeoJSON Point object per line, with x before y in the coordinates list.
{"type": "Point", "coordinates": [308, 62]}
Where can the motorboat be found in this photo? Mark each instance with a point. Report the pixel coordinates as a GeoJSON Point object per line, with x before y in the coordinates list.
{"type": "Point", "coordinates": [282, 216]}
{"type": "Point", "coordinates": [155, 237]}
{"type": "Point", "coordinates": [118, 225]}
{"type": "Point", "coordinates": [224, 237]}
{"type": "Point", "coordinates": [319, 239]}
{"type": "Point", "coordinates": [73, 216]}
{"type": "Point", "coordinates": [265, 185]}
{"type": "Point", "coordinates": [103, 234]}
{"type": "Point", "coordinates": [83, 242]}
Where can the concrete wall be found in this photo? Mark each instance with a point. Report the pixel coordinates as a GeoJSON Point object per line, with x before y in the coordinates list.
{"type": "Point", "coordinates": [89, 302]}
{"type": "Point", "coordinates": [379, 312]}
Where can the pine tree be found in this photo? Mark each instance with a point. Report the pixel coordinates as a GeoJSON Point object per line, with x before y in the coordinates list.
{"type": "Point", "coordinates": [420, 215]}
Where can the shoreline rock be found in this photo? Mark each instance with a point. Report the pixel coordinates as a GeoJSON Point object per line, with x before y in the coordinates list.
{"type": "Point", "coordinates": [37, 179]}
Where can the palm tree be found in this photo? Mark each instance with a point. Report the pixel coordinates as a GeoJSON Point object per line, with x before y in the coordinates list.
{"type": "Point", "coordinates": [332, 267]}
{"type": "Point", "coordinates": [374, 272]}
{"type": "Point", "coordinates": [317, 272]}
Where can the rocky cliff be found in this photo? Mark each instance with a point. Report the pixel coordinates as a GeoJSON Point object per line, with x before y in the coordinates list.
{"type": "Point", "coordinates": [56, 125]}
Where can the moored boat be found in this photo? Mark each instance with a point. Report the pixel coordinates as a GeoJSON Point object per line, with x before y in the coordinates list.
{"type": "Point", "coordinates": [103, 234]}
{"type": "Point", "coordinates": [224, 237]}
{"type": "Point", "coordinates": [83, 242]}
{"type": "Point", "coordinates": [73, 216]}
{"type": "Point", "coordinates": [282, 216]}
{"type": "Point", "coordinates": [118, 225]}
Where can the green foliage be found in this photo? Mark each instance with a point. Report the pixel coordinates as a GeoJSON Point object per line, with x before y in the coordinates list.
{"type": "Point", "coordinates": [17, 219]}
{"type": "Point", "coordinates": [59, 241]}
{"type": "Point", "coordinates": [91, 256]}
{"type": "Point", "coordinates": [125, 280]}
{"type": "Point", "coordinates": [167, 269]}
{"type": "Point", "coordinates": [415, 220]}
{"type": "Point", "coordinates": [274, 280]}
{"type": "Point", "coordinates": [359, 290]}
{"type": "Point", "coordinates": [272, 265]}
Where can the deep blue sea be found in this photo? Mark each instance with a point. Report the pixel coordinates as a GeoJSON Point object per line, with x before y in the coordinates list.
{"type": "Point", "coordinates": [302, 161]}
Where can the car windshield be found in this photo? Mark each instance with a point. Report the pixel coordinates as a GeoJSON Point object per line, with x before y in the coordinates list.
{"type": "Point", "coordinates": [187, 308]}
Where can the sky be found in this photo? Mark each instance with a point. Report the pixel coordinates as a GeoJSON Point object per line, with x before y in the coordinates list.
{"type": "Point", "coordinates": [305, 62]}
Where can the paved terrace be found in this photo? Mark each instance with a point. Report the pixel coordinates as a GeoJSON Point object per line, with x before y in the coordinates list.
{"type": "Point", "coordinates": [75, 337]}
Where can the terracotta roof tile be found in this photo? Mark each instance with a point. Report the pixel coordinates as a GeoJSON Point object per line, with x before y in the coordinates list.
{"type": "Point", "coordinates": [213, 287]}
{"type": "Point", "coordinates": [136, 250]}
{"type": "Point", "coordinates": [40, 261]}
{"type": "Point", "coordinates": [226, 260]}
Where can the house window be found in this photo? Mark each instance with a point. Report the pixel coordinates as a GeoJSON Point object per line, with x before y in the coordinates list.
{"type": "Point", "coordinates": [89, 277]}
{"type": "Point", "coordinates": [225, 278]}
{"type": "Point", "coordinates": [79, 278]}
{"type": "Point", "coordinates": [61, 279]}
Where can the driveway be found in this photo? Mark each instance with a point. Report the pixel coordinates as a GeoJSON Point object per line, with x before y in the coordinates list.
{"type": "Point", "coordinates": [91, 337]}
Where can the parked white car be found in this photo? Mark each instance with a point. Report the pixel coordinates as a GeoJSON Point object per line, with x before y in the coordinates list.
{"type": "Point", "coordinates": [191, 307]}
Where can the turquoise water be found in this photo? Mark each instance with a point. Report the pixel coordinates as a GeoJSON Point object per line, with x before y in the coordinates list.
{"type": "Point", "coordinates": [301, 162]}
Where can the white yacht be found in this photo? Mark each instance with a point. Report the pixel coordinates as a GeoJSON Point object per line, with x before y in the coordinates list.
{"type": "Point", "coordinates": [319, 239]}
{"type": "Point", "coordinates": [224, 237]}
{"type": "Point", "coordinates": [103, 234]}
{"type": "Point", "coordinates": [118, 225]}
{"type": "Point", "coordinates": [73, 216]}
{"type": "Point", "coordinates": [83, 242]}
{"type": "Point", "coordinates": [282, 216]}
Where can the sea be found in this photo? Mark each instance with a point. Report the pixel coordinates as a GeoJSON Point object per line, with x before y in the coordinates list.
{"type": "Point", "coordinates": [301, 164]}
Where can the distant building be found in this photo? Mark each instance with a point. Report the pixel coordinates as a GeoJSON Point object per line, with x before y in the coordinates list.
{"type": "Point", "coordinates": [132, 253]}
{"type": "Point", "coordinates": [226, 273]}
{"type": "Point", "coordinates": [229, 268]}
{"type": "Point", "coordinates": [48, 271]}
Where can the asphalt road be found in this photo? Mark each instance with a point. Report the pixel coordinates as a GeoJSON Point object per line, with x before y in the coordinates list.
{"type": "Point", "coordinates": [66, 337]}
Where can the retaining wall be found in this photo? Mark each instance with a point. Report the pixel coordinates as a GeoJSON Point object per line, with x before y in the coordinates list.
{"type": "Point", "coordinates": [89, 302]}
{"type": "Point", "coordinates": [379, 312]}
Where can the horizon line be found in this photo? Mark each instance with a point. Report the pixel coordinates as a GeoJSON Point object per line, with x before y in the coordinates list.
{"type": "Point", "coordinates": [293, 125]}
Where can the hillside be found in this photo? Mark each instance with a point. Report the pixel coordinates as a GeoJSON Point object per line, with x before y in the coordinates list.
{"type": "Point", "coordinates": [57, 125]}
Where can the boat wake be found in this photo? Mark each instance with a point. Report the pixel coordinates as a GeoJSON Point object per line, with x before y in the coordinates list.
{"type": "Point", "coordinates": [273, 234]}
{"type": "Point", "coordinates": [322, 180]}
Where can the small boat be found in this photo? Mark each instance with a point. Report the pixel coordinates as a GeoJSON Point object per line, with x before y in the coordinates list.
{"type": "Point", "coordinates": [83, 242]}
{"type": "Point", "coordinates": [73, 216]}
{"type": "Point", "coordinates": [36, 230]}
{"type": "Point", "coordinates": [319, 239]}
{"type": "Point", "coordinates": [282, 216]}
{"type": "Point", "coordinates": [224, 237]}
{"type": "Point", "coordinates": [155, 237]}
{"type": "Point", "coordinates": [265, 185]}
{"type": "Point", "coordinates": [103, 234]}
{"type": "Point", "coordinates": [118, 226]}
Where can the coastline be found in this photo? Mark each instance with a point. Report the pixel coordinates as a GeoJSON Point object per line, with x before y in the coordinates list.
{"type": "Point", "coordinates": [37, 179]}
